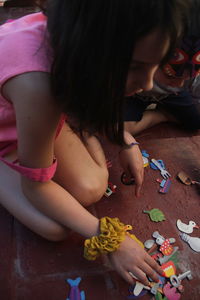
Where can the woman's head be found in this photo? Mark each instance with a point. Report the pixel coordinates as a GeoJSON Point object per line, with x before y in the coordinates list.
{"type": "Point", "coordinates": [94, 43]}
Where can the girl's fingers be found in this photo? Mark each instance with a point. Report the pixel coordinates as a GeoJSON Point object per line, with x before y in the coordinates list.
{"type": "Point", "coordinates": [153, 264]}
{"type": "Point", "coordinates": [140, 275]}
{"type": "Point", "coordinates": [137, 190]}
{"type": "Point", "coordinates": [151, 273]}
{"type": "Point", "coordinates": [128, 278]}
{"type": "Point", "coordinates": [138, 182]}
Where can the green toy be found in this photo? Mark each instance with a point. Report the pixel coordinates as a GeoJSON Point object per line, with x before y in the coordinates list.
{"type": "Point", "coordinates": [155, 214]}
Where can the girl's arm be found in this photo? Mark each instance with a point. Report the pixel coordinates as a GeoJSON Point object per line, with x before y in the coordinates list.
{"type": "Point", "coordinates": [54, 201]}
{"type": "Point", "coordinates": [37, 118]}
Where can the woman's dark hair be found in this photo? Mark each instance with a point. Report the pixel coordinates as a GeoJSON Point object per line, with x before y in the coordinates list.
{"type": "Point", "coordinates": [93, 43]}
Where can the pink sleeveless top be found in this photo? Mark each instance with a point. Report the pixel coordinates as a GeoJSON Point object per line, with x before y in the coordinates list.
{"type": "Point", "coordinates": [23, 48]}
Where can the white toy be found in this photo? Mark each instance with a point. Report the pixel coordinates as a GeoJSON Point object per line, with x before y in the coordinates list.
{"type": "Point", "coordinates": [187, 228]}
{"type": "Point", "coordinates": [194, 242]}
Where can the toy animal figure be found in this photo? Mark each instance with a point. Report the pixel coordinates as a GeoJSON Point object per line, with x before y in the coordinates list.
{"type": "Point", "coordinates": [187, 228]}
{"type": "Point", "coordinates": [75, 293]}
{"type": "Point", "coordinates": [165, 244]}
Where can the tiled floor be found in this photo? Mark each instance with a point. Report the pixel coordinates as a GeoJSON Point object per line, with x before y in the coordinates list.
{"type": "Point", "coordinates": [32, 268]}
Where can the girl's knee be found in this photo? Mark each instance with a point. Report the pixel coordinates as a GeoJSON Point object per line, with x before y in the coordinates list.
{"type": "Point", "coordinates": [93, 190]}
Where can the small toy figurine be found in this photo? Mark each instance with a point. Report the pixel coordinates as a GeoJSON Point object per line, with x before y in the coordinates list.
{"type": "Point", "coordinates": [165, 246]}
{"type": "Point", "coordinates": [164, 185]}
{"type": "Point", "coordinates": [157, 286]}
{"type": "Point", "coordinates": [75, 293]}
{"type": "Point", "coordinates": [110, 189]}
{"type": "Point", "coordinates": [187, 228]}
{"type": "Point", "coordinates": [184, 178]}
{"type": "Point", "coordinates": [169, 269]}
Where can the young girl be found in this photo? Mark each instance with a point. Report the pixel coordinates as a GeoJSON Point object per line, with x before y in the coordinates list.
{"type": "Point", "coordinates": [70, 69]}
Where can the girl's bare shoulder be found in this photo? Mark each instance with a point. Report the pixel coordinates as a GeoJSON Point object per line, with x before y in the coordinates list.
{"type": "Point", "coordinates": [27, 85]}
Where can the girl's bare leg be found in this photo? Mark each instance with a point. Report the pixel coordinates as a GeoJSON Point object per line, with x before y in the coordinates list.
{"type": "Point", "coordinates": [81, 167]}
{"type": "Point", "coordinates": [81, 170]}
{"type": "Point", "coordinates": [150, 118]}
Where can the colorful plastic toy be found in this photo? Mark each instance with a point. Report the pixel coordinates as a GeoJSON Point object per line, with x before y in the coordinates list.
{"type": "Point", "coordinates": [176, 280]}
{"type": "Point", "coordinates": [160, 161]}
{"type": "Point", "coordinates": [164, 173]}
{"type": "Point", "coordinates": [110, 189]}
{"type": "Point", "coordinates": [138, 288]}
{"type": "Point", "coordinates": [165, 244]}
{"type": "Point", "coordinates": [166, 186]}
{"type": "Point", "coordinates": [75, 293]}
{"type": "Point", "coordinates": [145, 154]}
{"type": "Point", "coordinates": [169, 269]}
{"type": "Point", "coordinates": [171, 292]}
{"type": "Point", "coordinates": [184, 178]}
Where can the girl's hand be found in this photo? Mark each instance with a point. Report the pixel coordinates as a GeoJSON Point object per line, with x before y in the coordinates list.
{"type": "Point", "coordinates": [132, 163]}
{"type": "Point", "coordinates": [131, 257]}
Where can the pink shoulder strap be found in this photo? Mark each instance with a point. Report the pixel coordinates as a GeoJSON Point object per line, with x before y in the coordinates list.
{"type": "Point", "coordinates": [35, 174]}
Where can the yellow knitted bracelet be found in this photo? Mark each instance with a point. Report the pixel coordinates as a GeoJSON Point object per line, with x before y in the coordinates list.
{"type": "Point", "coordinates": [112, 233]}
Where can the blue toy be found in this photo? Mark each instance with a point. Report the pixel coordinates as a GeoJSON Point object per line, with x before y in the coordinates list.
{"type": "Point", "coordinates": [75, 293]}
{"type": "Point", "coordinates": [144, 153]}
{"type": "Point", "coordinates": [160, 161]}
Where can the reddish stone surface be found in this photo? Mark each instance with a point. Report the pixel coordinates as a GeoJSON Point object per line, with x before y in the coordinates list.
{"type": "Point", "coordinates": [6, 253]}
{"type": "Point", "coordinates": [32, 268]}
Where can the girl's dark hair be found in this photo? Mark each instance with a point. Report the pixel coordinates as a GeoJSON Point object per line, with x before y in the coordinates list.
{"type": "Point", "coordinates": [93, 42]}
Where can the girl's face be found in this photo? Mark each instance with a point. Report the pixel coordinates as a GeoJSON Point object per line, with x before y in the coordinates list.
{"type": "Point", "coordinates": [148, 53]}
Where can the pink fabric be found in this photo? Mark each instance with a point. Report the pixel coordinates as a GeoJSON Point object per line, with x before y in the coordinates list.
{"type": "Point", "coordinates": [23, 48]}
{"type": "Point", "coordinates": [35, 174]}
